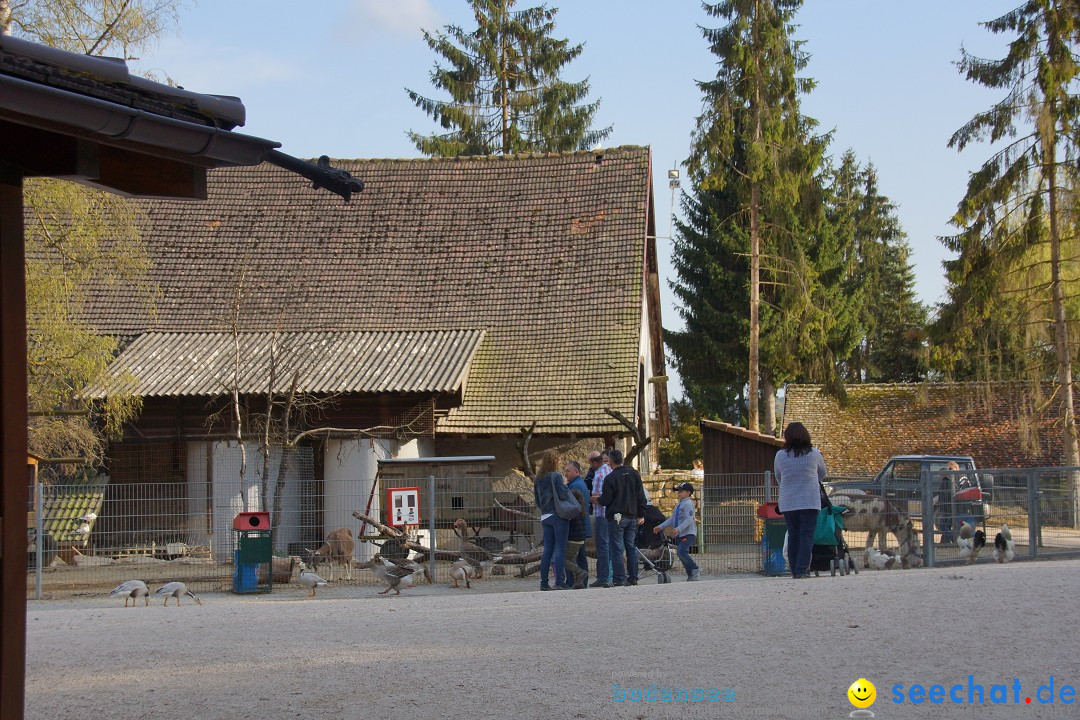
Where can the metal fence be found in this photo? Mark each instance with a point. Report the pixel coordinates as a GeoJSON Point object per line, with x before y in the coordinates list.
{"type": "Point", "coordinates": [162, 531]}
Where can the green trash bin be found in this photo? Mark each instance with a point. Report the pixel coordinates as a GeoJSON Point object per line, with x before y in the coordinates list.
{"type": "Point", "coordinates": [254, 553]}
{"type": "Point", "coordinates": [773, 561]}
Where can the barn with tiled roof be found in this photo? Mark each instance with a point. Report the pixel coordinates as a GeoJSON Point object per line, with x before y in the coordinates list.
{"type": "Point", "coordinates": [526, 284]}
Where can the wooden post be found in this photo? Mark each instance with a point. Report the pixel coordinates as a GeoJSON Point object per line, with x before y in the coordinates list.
{"type": "Point", "coordinates": [12, 447]}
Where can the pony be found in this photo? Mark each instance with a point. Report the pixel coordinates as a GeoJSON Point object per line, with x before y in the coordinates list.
{"type": "Point", "coordinates": [877, 516]}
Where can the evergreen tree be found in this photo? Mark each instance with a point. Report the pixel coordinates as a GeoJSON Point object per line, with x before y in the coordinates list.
{"type": "Point", "coordinates": [752, 142]}
{"type": "Point", "coordinates": [712, 267]}
{"type": "Point", "coordinates": [506, 95]}
{"type": "Point", "coordinates": [1019, 198]}
{"type": "Point", "coordinates": [890, 321]}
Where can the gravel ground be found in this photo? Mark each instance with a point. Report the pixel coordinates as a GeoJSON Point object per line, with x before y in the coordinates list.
{"type": "Point", "coordinates": [787, 649]}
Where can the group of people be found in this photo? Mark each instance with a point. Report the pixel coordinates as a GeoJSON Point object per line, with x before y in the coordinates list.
{"type": "Point", "coordinates": [612, 499]}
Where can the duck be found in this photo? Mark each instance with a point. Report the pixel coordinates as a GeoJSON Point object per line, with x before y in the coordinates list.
{"type": "Point", "coordinates": [132, 590]}
{"type": "Point", "coordinates": [176, 590]}
{"type": "Point", "coordinates": [309, 579]}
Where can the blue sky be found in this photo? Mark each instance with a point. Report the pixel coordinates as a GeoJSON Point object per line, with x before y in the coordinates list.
{"type": "Point", "coordinates": [328, 77]}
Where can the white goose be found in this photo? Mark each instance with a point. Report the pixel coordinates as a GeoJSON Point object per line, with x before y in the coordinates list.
{"type": "Point", "coordinates": [309, 579]}
{"type": "Point", "coordinates": [176, 590]}
{"type": "Point", "coordinates": [132, 590]}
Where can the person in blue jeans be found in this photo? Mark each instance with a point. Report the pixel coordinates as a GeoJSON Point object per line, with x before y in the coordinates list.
{"type": "Point", "coordinates": [598, 471]}
{"type": "Point", "coordinates": [624, 504]}
{"type": "Point", "coordinates": [556, 529]}
{"type": "Point", "coordinates": [574, 481]}
{"type": "Point", "coordinates": [683, 526]}
{"type": "Point", "coordinates": [799, 469]}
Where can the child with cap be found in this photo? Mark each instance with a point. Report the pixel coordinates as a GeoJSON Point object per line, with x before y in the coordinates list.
{"type": "Point", "coordinates": [683, 526]}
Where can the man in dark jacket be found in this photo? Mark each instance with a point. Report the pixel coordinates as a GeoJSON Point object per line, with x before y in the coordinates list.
{"type": "Point", "coordinates": [624, 502]}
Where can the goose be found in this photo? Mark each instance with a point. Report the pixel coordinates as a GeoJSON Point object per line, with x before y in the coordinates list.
{"type": "Point", "coordinates": [389, 573]}
{"type": "Point", "coordinates": [176, 590]}
{"type": "Point", "coordinates": [132, 590]}
{"type": "Point", "coordinates": [88, 517]}
{"type": "Point", "coordinates": [309, 579]}
{"type": "Point", "coordinates": [414, 567]}
{"type": "Point", "coordinates": [83, 531]}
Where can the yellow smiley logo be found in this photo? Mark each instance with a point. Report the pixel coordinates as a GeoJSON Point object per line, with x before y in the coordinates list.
{"type": "Point", "coordinates": [862, 693]}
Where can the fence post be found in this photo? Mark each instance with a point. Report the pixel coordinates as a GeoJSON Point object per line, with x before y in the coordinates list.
{"type": "Point", "coordinates": [927, 517]}
{"type": "Point", "coordinates": [39, 529]}
{"type": "Point", "coordinates": [431, 525]}
{"type": "Point", "coordinates": [1034, 522]}
{"type": "Point", "coordinates": [768, 486]}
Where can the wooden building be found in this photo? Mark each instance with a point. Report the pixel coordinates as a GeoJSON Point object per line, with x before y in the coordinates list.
{"type": "Point", "coordinates": [730, 449]}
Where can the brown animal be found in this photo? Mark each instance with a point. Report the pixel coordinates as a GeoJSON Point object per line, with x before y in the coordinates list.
{"type": "Point", "coordinates": [469, 550]}
{"type": "Point", "coordinates": [878, 516]}
{"type": "Point", "coordinates": [337, 550]}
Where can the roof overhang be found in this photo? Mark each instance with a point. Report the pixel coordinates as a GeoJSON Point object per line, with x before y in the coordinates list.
{"type": "Point", "coordinates": [212, 364]}
{"type": "Point", "coordinates": [93, 121]}
{"type": "Point", "coordinates": [742, 432]}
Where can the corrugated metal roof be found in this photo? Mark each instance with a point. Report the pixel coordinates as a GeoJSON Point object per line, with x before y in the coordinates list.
{"type": "Point", "coordinates": [179, 364]}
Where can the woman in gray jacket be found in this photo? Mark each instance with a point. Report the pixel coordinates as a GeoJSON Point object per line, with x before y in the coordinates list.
{"type": "Point", "coordinates": [799, 470]}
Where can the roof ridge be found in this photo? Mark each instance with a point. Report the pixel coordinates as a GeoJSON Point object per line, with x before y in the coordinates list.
{"type": "Point", "coordinates": [501, 158]}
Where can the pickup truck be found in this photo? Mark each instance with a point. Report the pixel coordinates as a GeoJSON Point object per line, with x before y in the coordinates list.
{"type": "Point", "coordinates": [959, 495]}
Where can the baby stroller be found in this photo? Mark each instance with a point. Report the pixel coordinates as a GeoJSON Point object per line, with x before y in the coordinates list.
{"type": "Point", "coordinates": [654, 549]}
{"type": "Point", "coordinates": [830, 552]}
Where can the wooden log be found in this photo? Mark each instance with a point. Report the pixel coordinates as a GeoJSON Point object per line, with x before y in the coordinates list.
{"type": "Point", "coordinates": [520, 558]}
{"type": "Point", "coordinates": [424, 552]}
{"type": "Point", "coordinates": [513, 511]}
{"type": "Point", "coordinates": [384, 529]}
{"type": "Point", "coordinates": [527, 570]}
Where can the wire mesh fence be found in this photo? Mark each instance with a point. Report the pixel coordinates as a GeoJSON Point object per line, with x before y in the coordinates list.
{"type": "Point", "coordinates": [97, 532]}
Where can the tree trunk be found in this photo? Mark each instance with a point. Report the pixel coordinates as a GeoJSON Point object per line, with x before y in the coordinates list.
{"type": "Point", "coordinates": [504, 83]}
{"type": "Point", "coordinates": [755, 258]}
{"type": "Point", "coordinates": [5, 17]}
{"type": "Point", "coordinates": [768, 402]}
{"type": "Point", "coordinates": [1061, 328]}
{"type": "Point", "coordinates": [287, 449]}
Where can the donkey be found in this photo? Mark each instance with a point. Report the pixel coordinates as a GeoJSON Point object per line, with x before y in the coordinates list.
{"type": "Point", "coordinates": [337, 550]}
{"type": "Point", "coordinates": [877, 516]}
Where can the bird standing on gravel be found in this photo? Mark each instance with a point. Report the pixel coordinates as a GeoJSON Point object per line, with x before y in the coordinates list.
{"type": "Point", "coordinates": [1004, 546]}
{"type": "Point", "coordinates": [389, 574]}
{"type": "Point", "coordinates": [132, 590]}
{"type": "Point", "coordinates": [309, 579]}
{"type": "Point", "coordinates": [176, 590]}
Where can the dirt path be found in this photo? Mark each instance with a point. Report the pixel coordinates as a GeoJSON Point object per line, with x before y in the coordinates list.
{"type": "Point", "coordinates": [787, 649]}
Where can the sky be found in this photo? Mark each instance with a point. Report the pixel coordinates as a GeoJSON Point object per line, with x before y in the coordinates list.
{"type": "Point", "coordinates": [329, 78]}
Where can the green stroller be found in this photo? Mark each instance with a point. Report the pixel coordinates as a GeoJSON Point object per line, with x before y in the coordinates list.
{"type": "Point", "coordinates": [830, 551]}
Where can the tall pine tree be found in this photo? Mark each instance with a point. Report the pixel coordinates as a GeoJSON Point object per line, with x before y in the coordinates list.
{"type": "Point", "coordinates": [752, 143]}
{"type": "Point", "coordinates": [712, 266]}
{"type": "Point", "coordinates": [506, 95]}
{"type": "Point", "coordinates": [1021, 196]}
